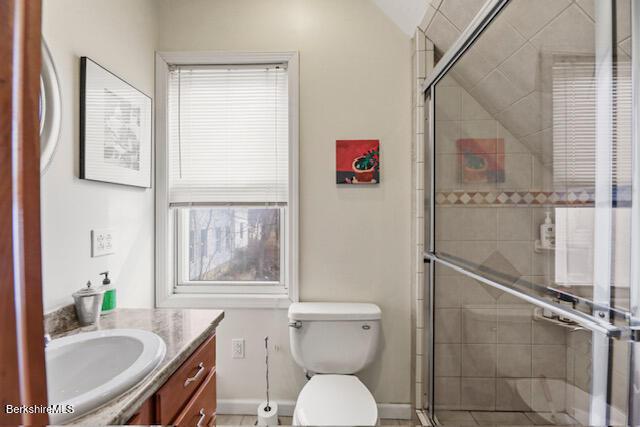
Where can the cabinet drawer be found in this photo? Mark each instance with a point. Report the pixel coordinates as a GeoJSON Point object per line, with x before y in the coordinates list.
{"type": "Point", "coordinates": [178, 390]}
{"type": "Point", "coordinates": [201, 411]}
{"type": "Point", "coordinates": [144, 416]}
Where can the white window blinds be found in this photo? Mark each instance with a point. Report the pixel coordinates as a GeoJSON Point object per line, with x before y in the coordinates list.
{"type": "Point", "coordinates": [228, 134]}
{"type": "Point", "coordinates": [574, 123]}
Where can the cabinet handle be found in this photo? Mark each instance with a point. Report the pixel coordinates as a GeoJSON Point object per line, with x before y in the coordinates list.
{"type": "Point", "coordinates": [202, 417]}
{"type": "Point", "coordinates": [195, 377]}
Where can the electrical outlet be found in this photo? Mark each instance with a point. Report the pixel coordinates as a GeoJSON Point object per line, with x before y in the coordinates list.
{"type": "Point", "coordinates": [237, 348]}
{"type": "Point", "coordinates": [103, 242]}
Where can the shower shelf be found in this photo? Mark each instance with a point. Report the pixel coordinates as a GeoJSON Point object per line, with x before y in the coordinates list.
{"type": "Point", "coordinates": [537, 315]}
{"type": "Point", "coordinates": [537, 247]}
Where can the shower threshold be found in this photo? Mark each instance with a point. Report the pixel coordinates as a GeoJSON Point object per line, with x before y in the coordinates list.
{"type": "Point", "coordinates": [497, 418]}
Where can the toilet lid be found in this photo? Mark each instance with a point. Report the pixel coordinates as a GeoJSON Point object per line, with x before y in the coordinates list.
{"type": "Point", "coordinates": [336, 400]}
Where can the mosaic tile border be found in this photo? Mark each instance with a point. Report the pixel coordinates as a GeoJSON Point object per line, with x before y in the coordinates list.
{"type": "Point", "coordinates": [522, 198]}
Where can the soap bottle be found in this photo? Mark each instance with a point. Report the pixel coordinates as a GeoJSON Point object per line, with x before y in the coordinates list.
{"type": "Point", "coordinates": [109, 301]}
{"type": "Point", "coordinates": [547, 232]}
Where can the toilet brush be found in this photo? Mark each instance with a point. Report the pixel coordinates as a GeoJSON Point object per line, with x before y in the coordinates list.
{"type": "Point", "coordinates": [267, 411]}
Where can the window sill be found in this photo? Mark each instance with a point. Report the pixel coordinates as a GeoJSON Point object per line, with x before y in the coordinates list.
{"type": "Point", "coordinates": [225, 301]}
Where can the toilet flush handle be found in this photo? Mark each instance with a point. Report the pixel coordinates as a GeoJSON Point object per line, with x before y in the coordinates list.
{"type": "Point", "coordinates": [296, 324]}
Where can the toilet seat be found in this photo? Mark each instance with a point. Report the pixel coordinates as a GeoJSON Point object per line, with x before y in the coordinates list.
{"type": "Point", "coordinates": [335, 400]}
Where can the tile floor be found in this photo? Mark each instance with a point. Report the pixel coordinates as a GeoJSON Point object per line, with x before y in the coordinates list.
{"type": "Point", "coordinates": [480, 418]}
{"type": "Point", "coordinates": [249, 420]}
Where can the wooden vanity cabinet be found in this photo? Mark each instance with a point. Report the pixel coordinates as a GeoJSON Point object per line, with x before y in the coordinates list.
{"type": "Point", "coordinates": [185, 383]}
{"type": "Point", "coordinates": [201, 410]}
{"type": "Point", "coordinates": [188, 397]}
{"type": "Point", "coordinates": [145, 415]}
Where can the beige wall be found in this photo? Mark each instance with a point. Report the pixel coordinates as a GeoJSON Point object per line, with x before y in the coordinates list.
{"type": "Point", "coordinates": [354, 241]}
{"type": "Point", "coordinates": [121, 35]}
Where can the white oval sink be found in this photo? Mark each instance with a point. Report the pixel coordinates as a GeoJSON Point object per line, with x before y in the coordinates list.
{"type": "Point", "coordinates": [89, 369]}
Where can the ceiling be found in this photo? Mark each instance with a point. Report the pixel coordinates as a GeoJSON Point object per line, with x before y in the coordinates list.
{"type": "Point", "coordinates": [406, 14]}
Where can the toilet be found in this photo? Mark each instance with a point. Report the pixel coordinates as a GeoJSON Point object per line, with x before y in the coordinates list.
{"type": "Point", "coordinates": [332, 342]}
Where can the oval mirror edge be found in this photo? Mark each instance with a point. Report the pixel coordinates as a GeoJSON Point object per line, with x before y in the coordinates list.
{"type": "Point", "coordinates": [52, 118]}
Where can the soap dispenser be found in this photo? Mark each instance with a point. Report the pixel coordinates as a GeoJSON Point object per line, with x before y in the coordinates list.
{"type": "Point", "coordinates": [109, 301]}
{"type": "Point", "coordinates": [547, 232]}
{"type": "Point", "coordinates": [88, 302]}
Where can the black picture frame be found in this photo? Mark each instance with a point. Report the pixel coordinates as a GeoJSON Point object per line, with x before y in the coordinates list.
{"type": "Point", "coordinates": [116, 134]}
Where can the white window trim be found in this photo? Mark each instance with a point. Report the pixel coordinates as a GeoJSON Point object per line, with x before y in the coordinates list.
{"type": "Point", "coordinates": [165, 275]}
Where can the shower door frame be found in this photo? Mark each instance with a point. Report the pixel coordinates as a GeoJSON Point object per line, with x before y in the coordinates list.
{"type": "Point", "coordinates": [600, 326]}
{"type": "Point", "coordinates": [634, 274]}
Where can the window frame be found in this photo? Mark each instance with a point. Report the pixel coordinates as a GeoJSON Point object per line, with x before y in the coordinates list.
{"type": "Point", "coordinates": [167, 236]}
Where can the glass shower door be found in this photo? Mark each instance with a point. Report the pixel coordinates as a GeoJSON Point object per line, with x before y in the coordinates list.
{"type": "Point", "coordinates": [500, 361]}
{"type": "Point", "coordinates": [532, 237]}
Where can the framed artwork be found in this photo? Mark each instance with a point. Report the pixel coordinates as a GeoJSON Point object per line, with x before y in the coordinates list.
{"type": "Point", "coordinates": [115, 128]}
{"type": "Point", "coordinates": [358, 161]}
{"type": "Point", "coordinates": [481, 160]}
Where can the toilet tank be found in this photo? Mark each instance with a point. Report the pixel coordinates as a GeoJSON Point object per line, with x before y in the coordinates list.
{"type": "Point", "coordinates": [334, 338]}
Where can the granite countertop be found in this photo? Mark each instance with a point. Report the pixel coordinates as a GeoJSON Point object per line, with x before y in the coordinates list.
{"type": "Point", "coordinates": [182, 331]}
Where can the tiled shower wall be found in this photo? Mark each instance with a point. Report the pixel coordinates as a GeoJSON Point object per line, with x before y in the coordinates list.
{"type": "Point", "coordinates": [493, 353]}
{"type": "Point", "coordinates": [508, 229]}
{"type": "Point", "coordinates": [500, 71]}
{"type": "Point", "coordinates": [423, 60]}
{"type": "Point", "coordinates": [490, 352]}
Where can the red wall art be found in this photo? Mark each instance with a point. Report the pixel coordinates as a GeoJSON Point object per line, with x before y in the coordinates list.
{"type": "Point", "coordinates": [358, 161]}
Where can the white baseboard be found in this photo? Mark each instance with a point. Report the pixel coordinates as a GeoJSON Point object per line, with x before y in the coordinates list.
{"type": "Point", "coordinates": [250, 407]}
{"type": "Point", "coordinates": [398, 411]}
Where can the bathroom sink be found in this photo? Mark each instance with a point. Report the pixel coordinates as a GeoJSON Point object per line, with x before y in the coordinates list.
{"type": "Point", "coordinates": [89, 369]}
